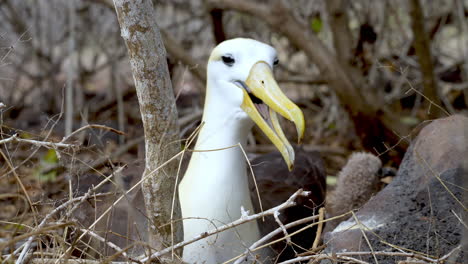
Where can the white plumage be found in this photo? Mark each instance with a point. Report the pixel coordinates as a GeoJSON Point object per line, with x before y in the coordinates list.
{"type": "Point", "coordinates": [215, 185]}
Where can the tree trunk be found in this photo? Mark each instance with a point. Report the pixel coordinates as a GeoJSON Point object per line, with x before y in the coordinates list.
{"type": "Point", "coordinates": [159, 115]}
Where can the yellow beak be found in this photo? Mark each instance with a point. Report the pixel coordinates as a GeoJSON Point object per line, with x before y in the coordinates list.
{"type": "Point", "coordinates": [262, 100]}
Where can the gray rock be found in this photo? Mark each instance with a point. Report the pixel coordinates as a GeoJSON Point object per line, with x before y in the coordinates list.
{"type": "Point", "coordinates": [420, 210]}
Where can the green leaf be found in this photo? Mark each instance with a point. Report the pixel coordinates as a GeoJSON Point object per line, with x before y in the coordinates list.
{"type": "Point", "coordinates": [316, 24]}
{"type": "Point", "coordinates": [48, 177]}
{"type": "Point", "coordinates": [50, 157]}
{"type": "Point", "coordinates": [25, 135]}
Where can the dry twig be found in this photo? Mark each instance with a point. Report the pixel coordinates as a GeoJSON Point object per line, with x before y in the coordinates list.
{"type": "Point", "coordinates": [283, 228]}
{"type": "Point", "coordinates": [46, 219]}
{"type": "Point", "coordinates": [257, 245]}
{"type": "Point", "coordinates": [288, 203]}
{"type": "Point", "coordinates": [91, 126]}
{"type": "Point", "coordinates": [319, 228]}
{"type": "Point", "coordinates": [47, 144]}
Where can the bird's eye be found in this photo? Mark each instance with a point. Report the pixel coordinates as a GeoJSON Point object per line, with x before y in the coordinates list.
{"type": "Point", "coordinates": [276, 62]}
{"type": "Point", "coordinates": [228, 60]}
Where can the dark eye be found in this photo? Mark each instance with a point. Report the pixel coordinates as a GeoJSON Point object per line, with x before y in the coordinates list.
{"type": "Point", "coordinates": [228, 60]}
{"type": "Point", "coordinates": [275, 62]}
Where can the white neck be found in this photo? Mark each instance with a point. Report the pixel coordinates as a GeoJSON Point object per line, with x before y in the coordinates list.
{"type": "Point", "coordinates": [215, 185]}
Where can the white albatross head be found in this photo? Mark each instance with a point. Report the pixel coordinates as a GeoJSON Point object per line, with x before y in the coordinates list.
{"type": "Point", "coordinates": [240, 77]}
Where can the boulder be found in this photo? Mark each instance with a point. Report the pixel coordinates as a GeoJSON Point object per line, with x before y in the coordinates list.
{"type": "Point", "coordinates": [424, 209]}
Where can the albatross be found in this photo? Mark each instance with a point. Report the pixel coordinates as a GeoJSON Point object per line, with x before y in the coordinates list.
{"type": "Point", "coordinates": [241, 91]}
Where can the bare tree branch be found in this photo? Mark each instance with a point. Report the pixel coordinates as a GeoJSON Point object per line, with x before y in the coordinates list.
{"type": "Point", "coordinates": [38, 143]}
{"type": "Point", "coordinates": [339, 25]}
{"type": "Point", "coordinates": [423, 51]}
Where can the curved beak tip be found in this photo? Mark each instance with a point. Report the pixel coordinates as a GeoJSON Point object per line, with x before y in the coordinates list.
{"type": "Point", "coordinates": [300, 138]}
{"type": "Point", "coordinates": [297, 117]}
{"type": "Point", "coordinates": [262, 85]}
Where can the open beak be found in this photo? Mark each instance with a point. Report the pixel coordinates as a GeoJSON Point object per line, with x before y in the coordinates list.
{"type": "Point", "coordinates": [263, 99]}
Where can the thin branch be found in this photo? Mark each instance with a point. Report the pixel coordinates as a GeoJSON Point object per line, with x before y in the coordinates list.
{"type": "Point", "coordinates": [423, 51]}
{"type": "Point", "coordinates": [38, 143]}
{"type": "Point", "coordinates": [145, 176]}
{"type": "Point", "coordinates": [324, 256]}
{"type": "Point", "coordinates": [46, 219]}
{"type": "Point", "coordinates": [109, 243]}
{"type": "Point", "coordinates": [446, 256]}
{"type": "Point", "coordinates": [290, 202]}
{"type": "Point", "coordinates": [80, 200]}
{"type": "Point", "coordinates": [361, 226]}
{"type": "Point", "coordinates": [345, 256]}
{"type": "Point", "coordinates": [283, 228]}
{"type": "Point", "coordinates": [91, 126]}
{"type": "Point", "coordinates": [71, 261]}
{"type": "Point", "coordinates": [319, 228]}
{"type": "Point", "coordinates": [43, 230]}
{"type": "Point", "coordinates": [257, 244]}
